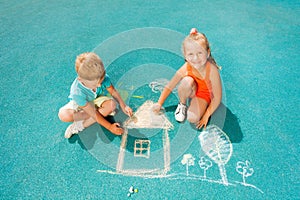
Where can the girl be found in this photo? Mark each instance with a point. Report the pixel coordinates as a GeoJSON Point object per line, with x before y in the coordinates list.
{"type": "Point", "coordinates": [199, 82]}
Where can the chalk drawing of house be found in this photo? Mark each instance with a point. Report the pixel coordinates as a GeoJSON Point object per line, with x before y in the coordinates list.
{"type": "Point", "coordinates": [151, 153]}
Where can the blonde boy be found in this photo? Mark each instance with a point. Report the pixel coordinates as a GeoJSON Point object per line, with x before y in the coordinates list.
{"type": "Point", "coordinates": [88, 101]}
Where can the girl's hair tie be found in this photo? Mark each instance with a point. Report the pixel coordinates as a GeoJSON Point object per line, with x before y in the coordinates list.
{"type": "Point", "coordinates": [193, 31]}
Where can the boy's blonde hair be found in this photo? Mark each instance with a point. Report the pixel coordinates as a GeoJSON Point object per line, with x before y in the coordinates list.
{"type": "Point", "coordinates": [89, 66]}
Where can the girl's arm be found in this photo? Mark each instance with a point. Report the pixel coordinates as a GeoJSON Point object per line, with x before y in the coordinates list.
{"type": "Point", "coordinates": [171, 85]}
{"type": "Point", "coordinates": [216, 100]}
{"type": "Point", "coordinates": [90, 109]}
{"type": "Point", "coordinates": [116, 95]}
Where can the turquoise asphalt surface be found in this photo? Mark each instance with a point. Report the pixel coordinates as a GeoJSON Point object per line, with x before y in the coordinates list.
{"type": "Point", "coordinates": [256, 43]}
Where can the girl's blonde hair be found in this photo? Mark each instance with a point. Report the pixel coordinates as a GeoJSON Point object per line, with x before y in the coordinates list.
{"type": "Point", "coordinates": [89, 66]}
{"type": "Point", "coordinates": [201, 39]}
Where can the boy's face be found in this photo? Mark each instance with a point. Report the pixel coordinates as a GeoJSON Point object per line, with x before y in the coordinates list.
{"type": "Point", "coordinates": [92, 84]}
{"type": "Point", "coordinates": [195, 54]}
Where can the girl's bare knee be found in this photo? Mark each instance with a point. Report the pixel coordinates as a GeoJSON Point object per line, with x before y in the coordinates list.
{"type": "Point", "coordinates": [187, 82]}
{"type": "Point", "coordinates": [187, 86]}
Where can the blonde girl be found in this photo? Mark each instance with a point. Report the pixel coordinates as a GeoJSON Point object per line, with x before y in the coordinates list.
{"type": "Point", "coordinates": [199, 82]}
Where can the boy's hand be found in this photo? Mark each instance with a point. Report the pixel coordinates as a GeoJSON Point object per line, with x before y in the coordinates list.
{"type": "Point", "coordinates": [116, 129]}
{"type": "Point", "coordinates": [128, 111]}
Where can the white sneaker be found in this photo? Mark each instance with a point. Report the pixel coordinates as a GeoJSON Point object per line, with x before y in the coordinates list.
{"type": "Point", "coordinates": [74, 128]}
{"type": "Point", "coordinates": [180, 112]}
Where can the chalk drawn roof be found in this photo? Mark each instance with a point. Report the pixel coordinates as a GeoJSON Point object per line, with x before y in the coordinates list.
{"type": "Point", "coordinates": [144, 117]}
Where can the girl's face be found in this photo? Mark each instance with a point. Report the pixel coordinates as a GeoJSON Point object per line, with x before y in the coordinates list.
{"type": "Point", "coordinates": [92, 84]}
{"type": "Point", "coordinates": [195, 54]}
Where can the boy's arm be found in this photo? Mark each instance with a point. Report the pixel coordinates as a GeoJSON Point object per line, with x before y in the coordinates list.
{"type": "Point", "coordinates": [116, 95]}
{"type": "Point", "coordinates": [90, 109]}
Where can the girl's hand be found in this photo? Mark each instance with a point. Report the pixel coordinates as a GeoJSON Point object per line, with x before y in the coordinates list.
{"type": "Point", "coordinates": [156, 107]}
{"type": "Point", "coordinates": [203, 122]}
{"type": "Point", "coordinates": [128, 111]}
{"type": "Point", "coordinates": [116, 129]}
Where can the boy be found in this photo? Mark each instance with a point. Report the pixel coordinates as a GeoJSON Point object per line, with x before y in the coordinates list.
{"type": "Point", "coordinates": [88, 103]}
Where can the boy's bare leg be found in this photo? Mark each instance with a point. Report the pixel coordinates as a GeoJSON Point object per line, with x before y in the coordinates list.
{"type": "Point", "coordinates": [80, 115]}
{"type": "Point", "coordinates": [88, 122]}
{"type": "Point", "coordinates": [69, 115]}
{"type": "Point", "coordinates": [107, 107]}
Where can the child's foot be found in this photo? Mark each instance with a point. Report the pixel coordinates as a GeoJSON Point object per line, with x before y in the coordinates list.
{"type": "Point", "coordinates": [180, 112]}
{"type": "Point", "coordinates": [74, 128]}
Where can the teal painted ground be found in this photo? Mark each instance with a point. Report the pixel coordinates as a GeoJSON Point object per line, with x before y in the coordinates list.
{"type": "Point", "coordinates": [256, 43]}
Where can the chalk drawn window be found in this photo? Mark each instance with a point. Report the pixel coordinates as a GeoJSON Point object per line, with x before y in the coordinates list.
{"type": "Point", "coordinates": [142, 148]}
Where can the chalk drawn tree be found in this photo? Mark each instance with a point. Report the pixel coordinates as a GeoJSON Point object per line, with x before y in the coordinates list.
{"type": "Point", "coordinates": [204, 164]}
{"type": "Point", "coordinates": [188, 160]}
{"type": "Point", "coordinates": [244, 169]}
{"type": "Point", "coordinates": [217, 146]}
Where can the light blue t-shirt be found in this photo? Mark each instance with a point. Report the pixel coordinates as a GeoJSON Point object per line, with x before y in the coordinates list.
{"type": "Point", "coordinates": [81, 94]}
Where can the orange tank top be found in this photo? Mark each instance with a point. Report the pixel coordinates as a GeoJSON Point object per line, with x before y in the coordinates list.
{"type": "Point", "coordinates": [204, 88]}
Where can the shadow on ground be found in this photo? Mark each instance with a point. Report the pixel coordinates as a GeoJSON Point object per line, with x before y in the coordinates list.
{"type": "Point", "coordinates": [224, 119]}
{"type": "Point", "coordinates": [87, 138]}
